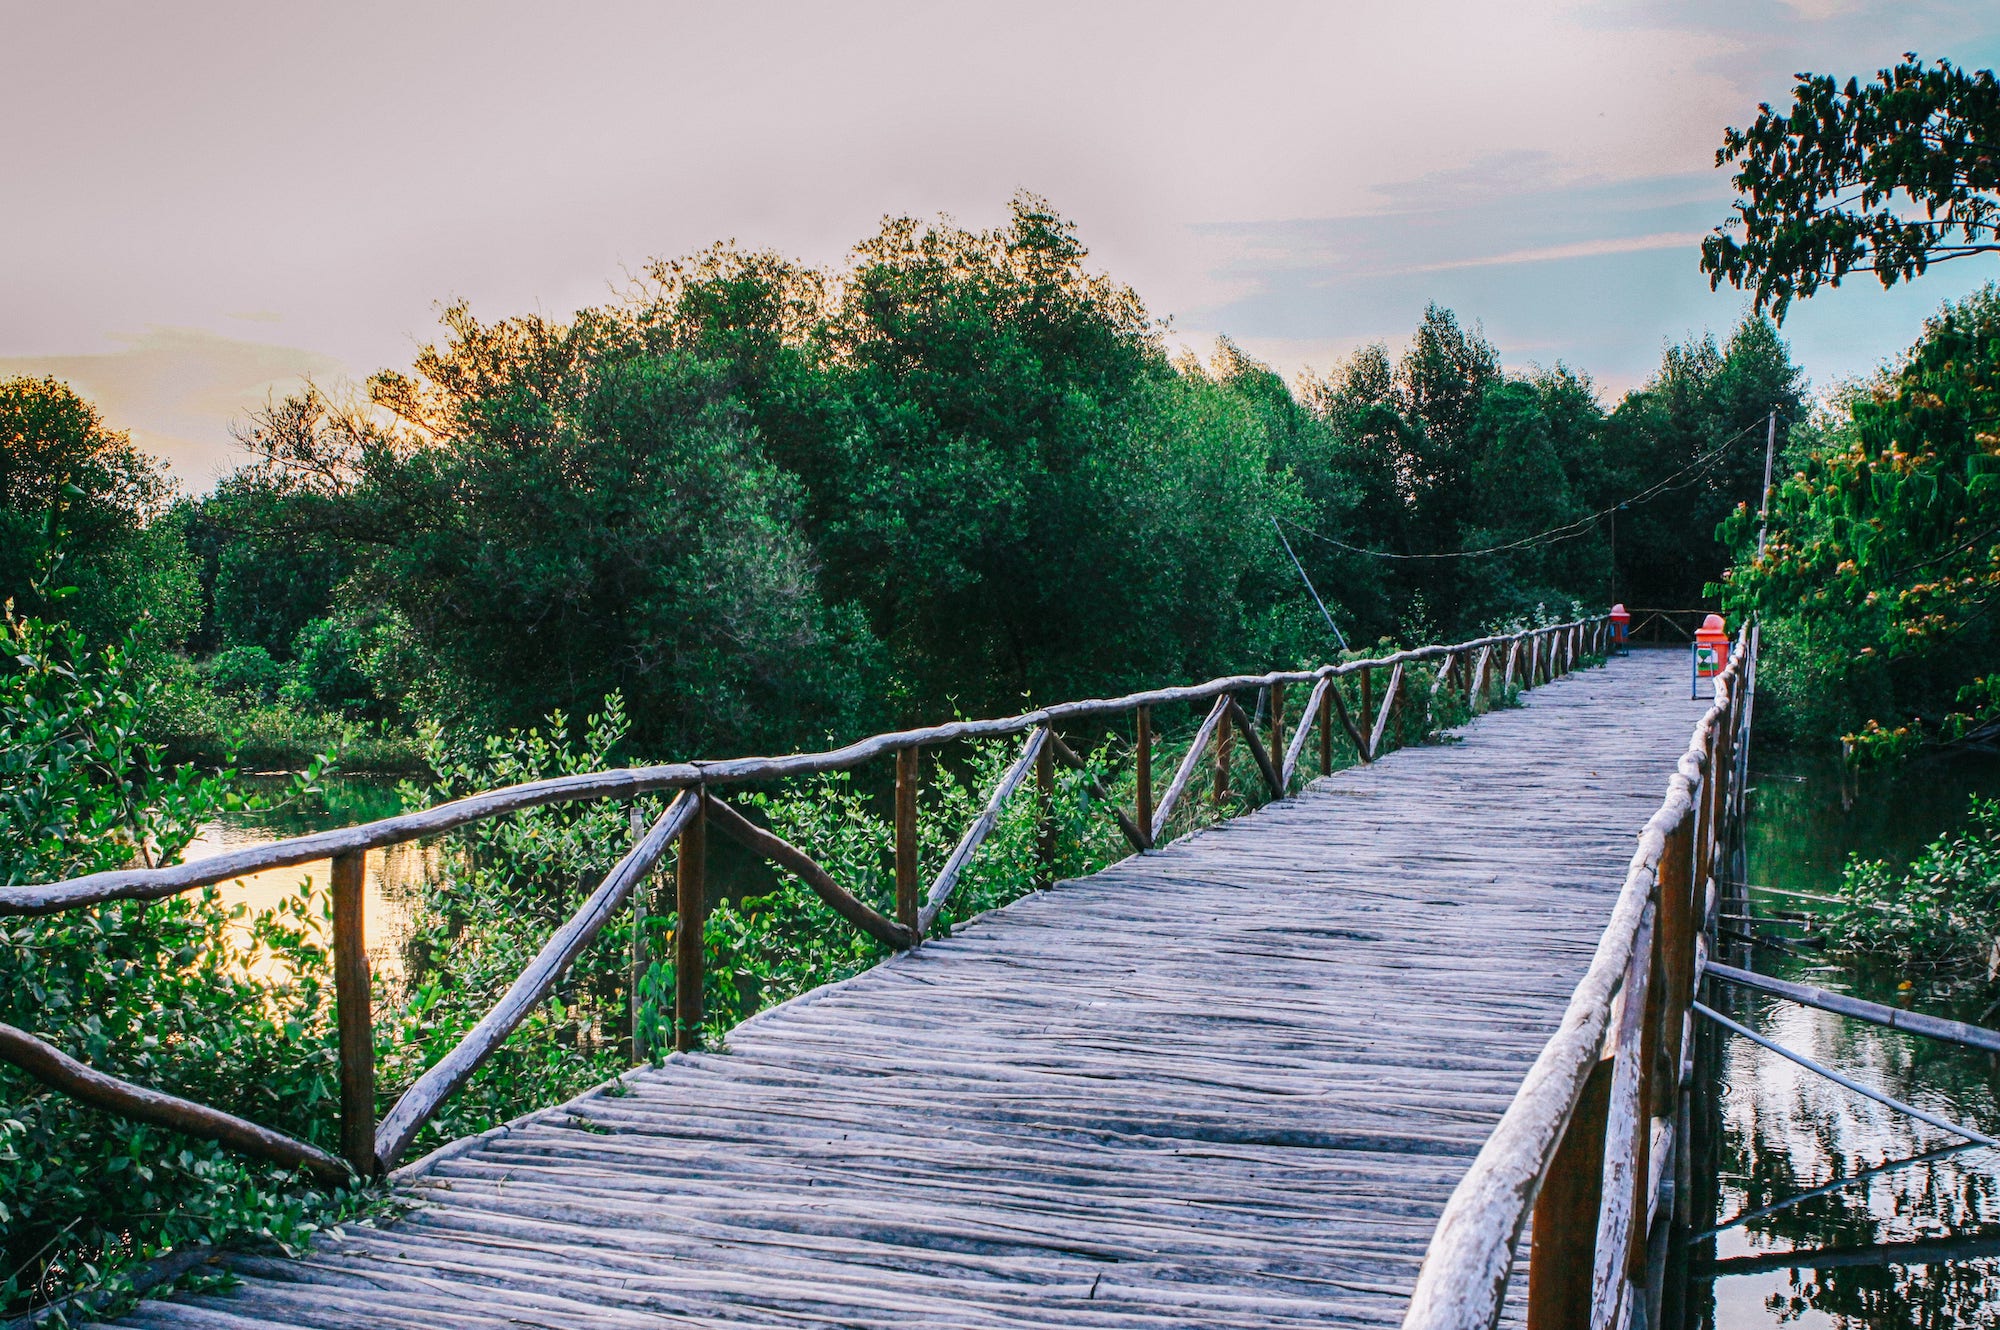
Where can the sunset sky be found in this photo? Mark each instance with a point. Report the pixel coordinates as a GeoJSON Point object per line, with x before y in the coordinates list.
{"type": "Point", "coordinates": [206, 201]}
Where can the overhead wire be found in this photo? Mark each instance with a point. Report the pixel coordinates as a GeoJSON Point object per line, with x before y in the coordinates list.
{"type": "Point", "coordinates": [1568, 530]}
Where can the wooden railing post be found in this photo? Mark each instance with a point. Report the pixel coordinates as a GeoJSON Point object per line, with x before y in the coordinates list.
{"type": "Point", "coordinates": [691, 906]}
{"type": "Point", "coordinates": [354, 1011]}
{"type": "Point", "coordinates": [1368, 711]}
{"type": "Point", "coordinates": [908, 769]}
{"type": "Point", "coordinates": [1277, 745]}
{"type": "Point", "coordinates": [1563, 1257]}
{"type": "Point", "coordinates": [1045, 819]}
{"type": "Point", "coordinates": [641, 1046]}
{"type": "Point", "coordinates": [1326, 727]}
{"type": "Point", "coordinates": [1142, 769]}
{"type": "Point", "coordinates": [1680, 893]}
{"type": "Point", "coordinates": [1222, 746]}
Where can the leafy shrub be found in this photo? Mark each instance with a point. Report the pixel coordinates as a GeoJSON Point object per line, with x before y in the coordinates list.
{"type": "Point", "coordinates": [169, 994]}
{"type": "Point", "coordinates": [1884, 553]}
{"type": "Point", "coordinates": [246, 673]}
{"type": "Point", "coordinates": [1937, 914]}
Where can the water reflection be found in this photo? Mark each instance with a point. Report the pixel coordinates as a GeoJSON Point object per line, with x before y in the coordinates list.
{"type": "Point", "coordinates": [1851, 1215]}
{"type": "Point", "coordinates": [394, 875]}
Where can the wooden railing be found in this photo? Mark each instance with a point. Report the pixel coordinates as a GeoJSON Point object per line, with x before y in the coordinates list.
{"type": "Point", "coordinates": [1596, 1127]}
{"type": "Point", "coordinates": [1341, 694]}
{"type": "Point", "coordinates": [1675, 626]}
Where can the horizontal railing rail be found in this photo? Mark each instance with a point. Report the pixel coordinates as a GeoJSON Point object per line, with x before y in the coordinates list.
{"type": "Point", "coordinates": [1583, 1148]}
{"type": "Point", "coordinates": [1653, 624]}
{"type": "Point", "coordinates": [1480, 670]}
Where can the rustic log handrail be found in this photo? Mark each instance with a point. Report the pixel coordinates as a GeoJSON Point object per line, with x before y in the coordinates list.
{"type": "Point", "coordinates": [968, 845]}
{"type": "Point", "coordinates": [154, 883]}
{"type": "Point", "coordinates": [1390, 696]}
{"type": "Point", "coordinates": [1577, 1159]}
{"type": "Point", "coordinates": [806, 869]}
{"type": "Point", "coordinates": [1354, 734]}
{"type": "Point", "coordinates": [59, 1071]}
{"type": "Point", "coordinates": [424, 1097]}
{"type": "Point", "coordinates": [1257, 751]}
{"type": "Point", "coordinates": [372, 1148]}
{"type": "Point", "coordinates": [1185, 772]}
{"type": "Point", "coordinates": [1134, 835]}
{"type": "Point", "coordinates": [1314, 702]}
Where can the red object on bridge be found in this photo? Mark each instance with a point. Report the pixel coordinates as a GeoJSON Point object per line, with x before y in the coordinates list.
{"type": "Point", "coordinates": [1711, 647]}
{"type": "Point", "coordinates": [1621, 624]}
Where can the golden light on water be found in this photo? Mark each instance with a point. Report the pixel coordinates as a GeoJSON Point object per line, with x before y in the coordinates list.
{"type": "Point", "coordinates": [394, 876]}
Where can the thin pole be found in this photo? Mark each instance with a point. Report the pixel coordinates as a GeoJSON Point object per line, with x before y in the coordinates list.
{"type": "Point", "coordinates": [691, 917]}
{"type": "Point", "coordinates": [1764, 504]}
{"type": "Point", "coordinates": [1614, 554]}
{"type": "Point", "coordinates": [641, 1049]}
{"type": "Point", "coordinates": [353, 1008]}
{"type": "Point", "coordinates": [1142, 769]}
{"type": "Point", "coordinates": [907, 775]}
{"type": "Point", "coordinates": [1895, 1018]}
{"type": "Point", "coordinates": [1838, 1079]}
{"type": "Point", "coordinates": [1309, 585]}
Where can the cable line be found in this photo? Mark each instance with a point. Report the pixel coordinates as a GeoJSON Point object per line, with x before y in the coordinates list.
{"type": "Point", "coordinates": [1568, 530]}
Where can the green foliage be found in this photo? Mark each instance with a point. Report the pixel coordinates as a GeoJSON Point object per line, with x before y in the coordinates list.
{"type": "Point", "coordinates": [1890, 177]}
{"type": "Point", "coordinates": [1884, 551]}
{"type": "Point", "coordinates": [584, 526]}
{"type": "Point", "coordinates": [173, 994]}
{"type": "Point", "coordinates": [1937, 914]}
{"type": "Point", "coordinates": [248, 673]}
{"type": "Point", "coordinates": [1697, 420]}
{"type": "Point", "coordinates": [70, 484]}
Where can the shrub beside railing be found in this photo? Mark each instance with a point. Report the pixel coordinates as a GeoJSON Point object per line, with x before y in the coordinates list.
{"type": "Point", "coordinates": [1355, 704]}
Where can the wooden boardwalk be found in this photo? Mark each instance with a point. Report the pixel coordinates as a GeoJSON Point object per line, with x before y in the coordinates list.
{"type": "Point", "coordinates": [1229, 1083]}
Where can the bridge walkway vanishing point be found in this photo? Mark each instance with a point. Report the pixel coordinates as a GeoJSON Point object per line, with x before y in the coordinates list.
{"type": "Point", "coordinates": [1227, 1083]}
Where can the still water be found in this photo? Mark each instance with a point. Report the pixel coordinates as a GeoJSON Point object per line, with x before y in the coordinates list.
{"type": "Point", "coordinates": [394, 874]}
{"type": "Point", "coordinates": [1914, 1244]}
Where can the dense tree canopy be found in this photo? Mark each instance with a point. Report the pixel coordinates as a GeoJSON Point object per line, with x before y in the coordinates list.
{"type": "Point", "coordinates": [64, 473]}
{"type": "Point", "coordinates": [1884, 556]}
{"type": "Point", "coordinates": [1888, 177]}
{"type": "Point", "coordinates": [765, 502]}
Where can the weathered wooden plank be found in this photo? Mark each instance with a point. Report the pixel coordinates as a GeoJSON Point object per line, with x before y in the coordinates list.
{"type": "Point", "coordinates": [1166, 1095]}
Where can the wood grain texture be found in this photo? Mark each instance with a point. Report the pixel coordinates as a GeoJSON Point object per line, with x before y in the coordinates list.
{"type": "Point", "coordinates": [354, 1012]}
{"type": "Point", "coordinates": [1228, 1083]}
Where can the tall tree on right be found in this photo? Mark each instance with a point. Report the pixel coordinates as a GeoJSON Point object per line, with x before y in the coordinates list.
{"type": "Point", "coordinates": [1889, 177]}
